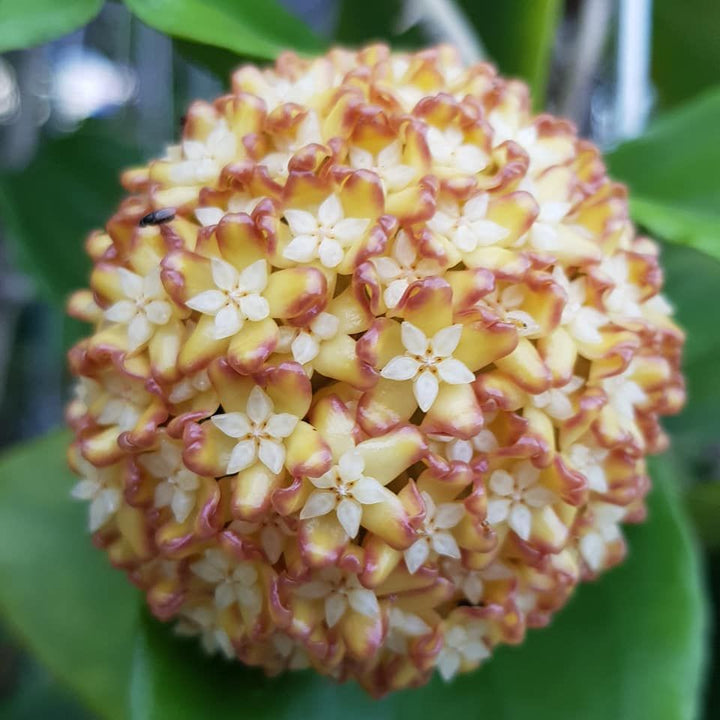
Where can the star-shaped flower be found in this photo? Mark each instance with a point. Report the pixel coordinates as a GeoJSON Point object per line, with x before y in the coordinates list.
{"type": "Point", "coordinates": [99, 486]}
{"type": "Point", "coordinates": [466, 226]}
{"type": "Point", "coordinates": [449, 150]}
{"type": "Point", "coordinates": [556, 401]}
{"type": "Point", "coordinates": [513, 497]}
{"type": "Point", "coordinates": [178, 485]}
{"type": "Point", "coordinates": [402, 268]}
{"type": "Point", "coordinates": [463, 644]}
{"type": "Point", "coordinates": [325, 236]}
{"type": "Point", "coordinates": [234, 582]}
{"type": "Point", "coordinates": [340, 592]}
{"type": "Point", "coordinates": [344, 489]}
{"type": "Point", "coordinates": [387, 164]}
{"type": "Point", "coordinates": [145, 304]}
{"type": "Point", "coordinates": [304, 343]}
{"type": "Point", "coordinates": [590, 461]}
{"type": "Point", "coordinates": [433, 533]}
{"type": "Point", "coordinates": [237, 296]}
{"type": "Point", "coordinates": [580, 320]}
{"type": "Point", "coordinates": [259, 431]}
{"type": "Point", "coordinates": [428, 362]}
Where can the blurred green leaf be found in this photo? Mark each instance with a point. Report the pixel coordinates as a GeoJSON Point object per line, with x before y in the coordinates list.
{"type": "Point", "coordinates": [69, 188]}
{"type": "Point", "coordinates": [24, 23]}
{"type": "Point", "coordinates": [57, 591]}
{"type": "Point", "coordinates": [692, 282]}
{"type": "Point", "coordinates": [629, 646]}
{"type": "Point", "coordinates": [256, 28]}
{"type": "Point", "coordinates": [685, 48]}
{"type": "Point", "coordinates": [519, 36]}
{"type": "Point", "coordinates": [672, 172]}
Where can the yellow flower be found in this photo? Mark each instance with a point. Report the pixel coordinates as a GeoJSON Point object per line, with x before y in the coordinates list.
{"type": "Point", "coordinates": [376, 361]}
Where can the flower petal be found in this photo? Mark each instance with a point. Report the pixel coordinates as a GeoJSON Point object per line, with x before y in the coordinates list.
{"type": "Point", "coordinates": [272, 455]}
{"type": "Point", "coordinates": [454, 372]}
{"type": "Point", "coordinates": [426, 388]}
{"type": "Point", "coordinates": [242, 456]}
{"type": "Point", "coordinates": [413, 339]}
{"type": "Point", "coordinates": [364, 601]}
{"type": "Point", "coordinates": [349, 513]}
{"type": "Point", "coordinates": [319, 503]}
{"type": "Point", "coordinates": [401, 367]}
{"type": "Point", "coordinates": [368, 491]}
{"type": "Point", "coordinates": [224, 275]}
{"type": "Point", "coordinates": [234, 424]}
{"type": "Point", "coordinates": [416, 555]}
{"type": "Point", "coordinates": [259, 405]}
{"type": "Point", "coordinates": [207, 302]}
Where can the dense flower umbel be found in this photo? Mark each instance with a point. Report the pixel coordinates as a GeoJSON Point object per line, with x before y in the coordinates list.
{"type": "Point", "coordinates": [379, 394]}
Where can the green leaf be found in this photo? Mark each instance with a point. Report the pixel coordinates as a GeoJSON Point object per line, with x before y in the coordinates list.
{"type": "Point", "coordinates": [69, 188]}
{"type": "Point", "coordinates": [685, 48]}
{"type": "Point", "coordinates": [519, 36]}
{"type": "Point", "coordinates": [24, 23]}
{"type": "Point", "coordinates": [59, 593]}
{"type": "Point", "coordinates": [672, 172]}
{"type": "Point", "coordinates": [256, 28]}
{"type": "Point", "coordinates": [629, 646]}
{"type": "Point", "coordinates": [692, 282]}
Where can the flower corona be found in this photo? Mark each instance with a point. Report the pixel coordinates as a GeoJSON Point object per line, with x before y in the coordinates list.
{"type": "Point", "coordinates": [377, 360]}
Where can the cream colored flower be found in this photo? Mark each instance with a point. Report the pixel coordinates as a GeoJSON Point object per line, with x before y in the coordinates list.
{"type": "Point", "coordinates": [463, 644]}
{"type": "Point", "coordinates": [99, 486]}
{"type": "Point", "coordinates": [304, 343]}
{"type": "Point", "coordinates": [237, 297]}
{"type": "Point", "coordinates": [428, 362]}
{"type": "Point", "coordinates": [344, 489]}
{"type": "Point", "coordinates": [450, 151]}
{"type": "Point", "coordinates": [145, 305]}
{"type": "Point", "coordinates": [466, 226]}
{"type": "Point", "coordinates": [340, 593]}
{"type": "Point", "coordinates": [178, 486]}
{"type": "Point", "coordinates": [387, 164]}
{"type": "Point", "coordinates": [433, 533]}
{"type": "Point", "coordinates": [259, 431]}
{"type": "Point", "coordinates": [325, 236]}
{"type": "Point", "coordinates": [234, 582]}
{"type": "Point", "coordinates": [514, 495]}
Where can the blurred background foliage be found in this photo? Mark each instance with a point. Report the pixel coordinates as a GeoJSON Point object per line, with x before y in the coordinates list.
{"type": "Point", "coordinates": [87, 88]}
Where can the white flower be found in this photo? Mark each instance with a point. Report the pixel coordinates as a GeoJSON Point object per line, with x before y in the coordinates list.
{"type": "Point", "coordinates": [237, 296]}
{"type": "Point", "coordinates": [308, 132]}
{"type": "Point", "coordinates": [581, 321]}
{"type": "Point", "coordinates": [145, 304]}
{"type": "Point", "coordinates": [259, 431]}
{"type": "Point", "coordinates": [202, 621]}
{"type": "Point", "coordinates": [463, 644]}
{"type": "Point", "coordinates": [125, 404]}
{"type": "Point", "coordinates": [433, 535]}
{"type": "Point", "coordinates": [624, 394]}
{"type": "Point", "coordinates": [99, 486]}
{"type": "Point", "coordinates": [292, 652]}
{"type": "Point", "coordinates": [544, 235]}
{"type": "Point", "coordinates": [273, 530]}
{"type": "Point", "coordinates": [304, 343]}
{"type": "Point", "coordinates": [427, 362]}
{"type": "Point", "coordinates": [387, 164]}
{"type": "Point", "coordinates": [449, 150]}
{"type": "Point", "coordinates": [234, 582]}
{"type": "Point", "coordinates": [466, 227]}
{"type": "Point", "coordinates": [401, 626]}
{"type": "Point", "coordinates": [178, 485]}
{"type": "Point", "coordinates": [187, 388]}
{"type": "Point", "coordinates": [594, 543]}
{"type": "Point", "coordinates": [556, 401]}
{"type": "Point", "coordinates": [472, 582]}
{"type": "Point", "coordinates": [340, 592]}
{"type": "Point", "coordinates": [589, 461]}
{"type": "Point", "coordinates": [457, 449]}
{"type": "Point", "coordinates": [398, 272]}
{"type": "Point", "coordinates": [507, 303]}
{"type": "Point", "coordinates": [325, 236]}
{"type": "Point", "coordinates": [624, 297]}
{"type": "Point", "coordinates": [542, 154]}
{"type": "Point", "coordinates": [203, 160]}
{"type": "Point", "coordinates": [344, 489]}
{"type": "Point", "coordinates": [513, 496]}
{"type": "Point", "coordinates": [238, 203]}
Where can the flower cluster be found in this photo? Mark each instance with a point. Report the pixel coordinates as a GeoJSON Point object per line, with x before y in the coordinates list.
{"type": "Point", "coordinates": [374, 392]}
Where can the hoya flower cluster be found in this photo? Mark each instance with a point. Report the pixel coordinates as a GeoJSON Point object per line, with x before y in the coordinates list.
{"type": "Point", "coordinates": [377, 359]}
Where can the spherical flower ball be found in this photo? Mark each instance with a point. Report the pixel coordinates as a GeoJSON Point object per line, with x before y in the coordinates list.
{"type": "Point", "coordinates": [377, 359]}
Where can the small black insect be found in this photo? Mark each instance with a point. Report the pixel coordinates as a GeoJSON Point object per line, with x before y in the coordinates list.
{"type": "Point", "coordinates": [157, 217]}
